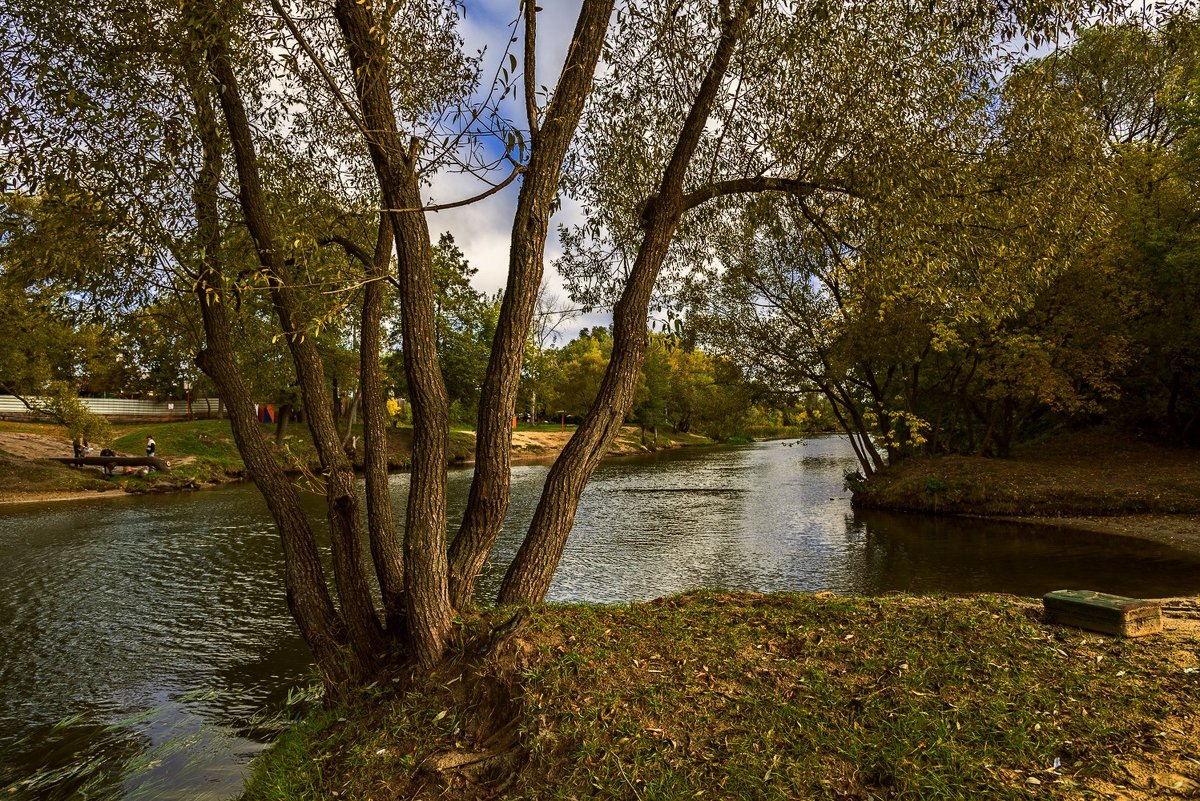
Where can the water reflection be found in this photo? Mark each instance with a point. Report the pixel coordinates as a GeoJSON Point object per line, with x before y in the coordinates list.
{"type": "Point", "coordinates": [124, 608]}
{"type": "Point", "coordinates": [157, 627]}
{"type": "Point", "coordinates": [921, 554]}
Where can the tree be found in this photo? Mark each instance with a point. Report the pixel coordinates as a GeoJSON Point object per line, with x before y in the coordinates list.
{"type": "Point", "coordinates": [389, 91]}
{"type": "Point", "coordinates": [540, 369]}
{"type": "Point", "coordinates": [920, 313]}
{"type": "Point", "coordinates": [1138, 83]}
{"type": "Point", "coordinates": [466, 324]}
{"type": "Point", "coordinates": [580, 369]}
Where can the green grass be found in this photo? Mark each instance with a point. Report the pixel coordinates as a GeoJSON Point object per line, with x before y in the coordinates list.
{"type": "Point", "coordinates": [743, 696]}
{"type": "Point", "coordinates": [200, 452]}
{"type": "Point", "coordinates": [21, 476]}
{"type": "Point", "coordinates": [210, 440]}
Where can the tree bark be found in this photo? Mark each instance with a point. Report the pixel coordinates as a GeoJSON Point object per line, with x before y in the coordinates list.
{"type": "Point", "coordinates": [386, 550]}
{"type": "Point", "coordinates": [281, 422]}
{"type": "Point", "coordinates": [530, 573]}
{"type": "Point", "coordinates": [341, 495]}
{"type": "Point", "coordinates": [307, 593]}
{"type": "Point", "coordinates": [426, 596]}
{"type": "Point", "coordinates": [490, 487]}
{"type": "Point", "coordinates": [350, 417]}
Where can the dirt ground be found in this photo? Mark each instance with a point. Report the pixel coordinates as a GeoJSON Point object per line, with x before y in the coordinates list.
{"type": "Point", "coordinates": [533, 446]}
{"type": "Point", "coordinates": [34, 446]}
{"type": "Point", "coordinates": [538, 445]}
{"type": "Point", "coordinates": [1167, 767]}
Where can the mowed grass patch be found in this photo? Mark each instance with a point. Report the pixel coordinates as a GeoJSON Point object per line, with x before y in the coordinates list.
{"type": "Point", "coordinates": [210, 440]}
{"type": "Point", "coordinates": [714, 695]}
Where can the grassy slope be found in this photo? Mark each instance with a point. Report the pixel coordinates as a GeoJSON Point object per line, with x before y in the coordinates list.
{"type": "Point", "coordinates": [200, 451]}
{"type": "Point", "coordinates": [1090, 473]}
{"type": "Point", "coordinates": [22, 476]}
{"type": "Point", "coordinates": [767, 697]}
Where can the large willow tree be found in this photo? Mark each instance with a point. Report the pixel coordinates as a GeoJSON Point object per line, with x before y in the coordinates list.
{"type": "Point", "coordinates": [699, 105]}
{"type": "Point", "coordinates": [1002, 287]}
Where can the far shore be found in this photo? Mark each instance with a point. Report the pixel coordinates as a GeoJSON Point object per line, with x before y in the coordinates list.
{"type": "Point", "coordinates": [32, 479]}
{"type": "Point", "coordinates": [1099, 480]}
{"type": "Point", "coordinates": [1090, 483]}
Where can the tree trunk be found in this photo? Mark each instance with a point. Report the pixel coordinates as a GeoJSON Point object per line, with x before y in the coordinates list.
{"type": "Point", "coordinates": [530, 573]}
{"type": "Point", "coordinates": [341, 495]}
{"type": "Point", "coordinates": [490, 486]}
{"type": "Point", "coordinates": [426, 596]}
{"type": "Point", "coordinates": [351, 415]}
{"type": "Point", "coordinates": [281, 423]}
{"type": "Point", "coordinates": [307, 594]}
{"type": "Point", "coordinates": [386, 550]}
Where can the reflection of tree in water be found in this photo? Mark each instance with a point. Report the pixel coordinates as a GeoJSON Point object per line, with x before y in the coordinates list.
{"type": "Point", "coordinates": [74, 758]}
{"type": "Point", "coordinates": [925, 553]}
{"type": "Point", "coordinates": [165, 753]}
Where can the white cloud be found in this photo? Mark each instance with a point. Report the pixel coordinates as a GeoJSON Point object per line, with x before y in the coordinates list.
{"type": "Point", "coordinates": [482, 230]}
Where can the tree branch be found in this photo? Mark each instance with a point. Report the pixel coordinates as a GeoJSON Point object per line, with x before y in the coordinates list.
{"type": "Point", "coordinates": [330, 82]}
{"type": "Point", "coordinates": [352, 248]}
{"type": "Point", "coordinates": [530, 67]}
{"type": "Point", "coordinates": [762, 183]}
{"type": "Point", "coordinates": [517, 170]}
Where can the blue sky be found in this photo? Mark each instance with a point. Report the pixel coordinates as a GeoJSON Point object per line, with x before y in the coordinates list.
{"type": "Point", "coordinates": [482, 229]}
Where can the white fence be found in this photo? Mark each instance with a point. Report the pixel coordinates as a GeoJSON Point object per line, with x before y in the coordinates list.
{"type": "Point", "coordinates": [119, 407]}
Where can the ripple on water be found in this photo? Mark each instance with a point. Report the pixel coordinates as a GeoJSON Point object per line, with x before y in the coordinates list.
{"type": "Point", "coordinates": [161, 620]}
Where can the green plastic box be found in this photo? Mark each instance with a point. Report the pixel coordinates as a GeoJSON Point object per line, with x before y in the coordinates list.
{"type": "Point", "coordinates": [1099, 611]}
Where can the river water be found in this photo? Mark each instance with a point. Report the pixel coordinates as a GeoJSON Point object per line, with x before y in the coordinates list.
{"type": "Point", "coordinates": [141, 637]}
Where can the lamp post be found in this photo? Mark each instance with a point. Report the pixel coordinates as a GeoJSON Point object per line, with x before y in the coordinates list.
{"type": "Point", "coordinates": [187, 388]}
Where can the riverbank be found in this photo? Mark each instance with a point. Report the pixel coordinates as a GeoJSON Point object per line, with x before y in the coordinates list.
{"type": "Point", "coordinates": [202, 454]}
{"type": "Point", "coordinates": [714, 695]}
{"type": "Point", "coordinates": [1099, 481]}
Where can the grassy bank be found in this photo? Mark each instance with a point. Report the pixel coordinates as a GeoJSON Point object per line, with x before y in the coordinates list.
{"type": "Point", "coordinates": [201, 452]}
{"type": "Point", "coordinates": [1097, 472]}
{"type": "Point", "coordinates": [786, 696]}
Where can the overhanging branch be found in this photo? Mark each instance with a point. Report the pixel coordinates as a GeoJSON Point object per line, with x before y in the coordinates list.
{"type": "Point", "coordinates": [517, 170]}
{"type": "Point", "coordinates": [737, 186]}
{"type": "Point", "coordinates": [320, 65]}
{"type": "Point", "coordinates": [352, 248]}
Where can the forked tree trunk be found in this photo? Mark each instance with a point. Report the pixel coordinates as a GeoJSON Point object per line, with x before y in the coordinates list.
{"type": "Point", "coordinates": [490, 487]}
{"type": "Point", "coordinates": [307, 594]}
{"type": "Point", "coordinates": [341, 495]}
{"type": "Point", "coordinates": [386, 550]}
{"type": "Point", "coordinates": [529, 576]}
{"type": "Point", "coordinates": [426, 596]}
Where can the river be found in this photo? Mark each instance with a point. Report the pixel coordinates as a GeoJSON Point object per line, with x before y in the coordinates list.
{"type": "Point", "coordinates": [141, 637]}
